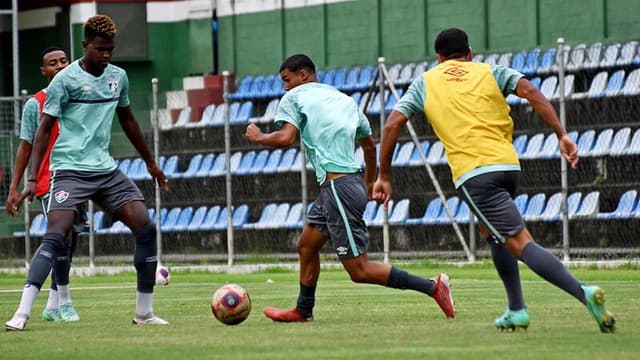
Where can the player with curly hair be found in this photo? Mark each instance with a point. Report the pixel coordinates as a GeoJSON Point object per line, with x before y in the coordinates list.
{"type": "Point", "coordinates": [84, 97]}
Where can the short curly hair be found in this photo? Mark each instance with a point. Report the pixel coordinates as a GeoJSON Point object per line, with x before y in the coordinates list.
{"type": "Point", "coordinates": [99, 25]}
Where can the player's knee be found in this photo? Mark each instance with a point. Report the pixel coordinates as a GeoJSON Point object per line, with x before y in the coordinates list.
{"type": "Point", "coordinates": [358, 274]}
{"type": "Point", "coordinates": [146, 235]}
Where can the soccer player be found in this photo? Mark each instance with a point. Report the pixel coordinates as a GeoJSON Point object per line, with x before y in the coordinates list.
{"type": "Point", "coordinates": [329, 123]}
{"type": "Point", "coordinates": [465, 104]}
{"type": "Point", "coordinates": [59, 306]}
{"type": "Point", "coordinates": [84, 98]}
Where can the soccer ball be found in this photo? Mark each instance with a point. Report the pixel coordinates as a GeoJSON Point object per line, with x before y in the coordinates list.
{"type": "Point", "coordinates": [230, 304]}
{"type": "Point", "coordinates": [163, 276]}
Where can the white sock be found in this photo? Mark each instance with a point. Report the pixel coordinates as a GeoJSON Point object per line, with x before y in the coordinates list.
{"type": "Point", "coordinates": [64, 297]}
{"type": "Point", "coordinates": [144, 304]}
{"type": "Point", "coordinates": [29, 294]}
{"type": "Point", "coordinates": [52, 301]}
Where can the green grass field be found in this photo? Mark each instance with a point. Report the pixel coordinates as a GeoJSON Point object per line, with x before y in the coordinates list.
{"type": "Point", "coordinates": [351, 321]}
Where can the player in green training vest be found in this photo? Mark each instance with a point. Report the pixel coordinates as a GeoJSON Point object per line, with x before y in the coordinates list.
{"type": "Point", "coordinates": [330, 124]}
{"type": "Point", "coordinates": [84, 97]}
{"type": "Point", "coordinates": [465, 104]}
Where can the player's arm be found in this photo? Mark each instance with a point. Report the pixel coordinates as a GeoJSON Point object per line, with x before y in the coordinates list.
{"type": "Point", "coordinates": [279, 138]}
{"type": "Point", "coordinates": [133, 132]}
{"type": "Point", "coordinates": [543, 107]}
{"type": "Point", "coordinates": [368, 145]}
{"type": "Point", "coordinates": [395, 122]}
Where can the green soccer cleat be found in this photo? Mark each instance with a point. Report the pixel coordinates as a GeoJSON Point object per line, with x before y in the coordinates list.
{"type": "Point", "coordinates": [50, 315]}
{"type": "Point", "coordinates": [513, 319]}
{"type": "Point", "coordinates": [595, 305]}
{"type": "Point", "coordinates": [67, 313]}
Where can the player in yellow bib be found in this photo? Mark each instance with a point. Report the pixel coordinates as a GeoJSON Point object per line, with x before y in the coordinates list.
{"type": "Point", "coordinates": [465, 104]}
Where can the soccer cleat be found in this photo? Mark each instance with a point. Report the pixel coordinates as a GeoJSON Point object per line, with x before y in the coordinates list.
{"type": "Point", "coordinates": [17, 323]}
{"type": "Point", "coordinates": [442, 295]}
{"type": "Point", "coordinates": [50, 315]}
{"type": "Point", "coordinates": [595, 304]}
{"type": "Point", "coordinates": [513, 319]}
{"type": "Point", "coordinates": [280, 315]}
{"type": "Point", "coordinates": [149, 320]}
{"type": "Point", "coordinates": [67, 313]}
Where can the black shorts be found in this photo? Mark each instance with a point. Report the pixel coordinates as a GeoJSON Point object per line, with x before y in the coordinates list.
{"type": "Point", "coordinates": [490, 197]}
{"type": "Point", "coordinates": [337, 213]}
{"type": "Point", "coordinates": [79, 223]}
{"type": "Point", "coordinates": [70, 188]}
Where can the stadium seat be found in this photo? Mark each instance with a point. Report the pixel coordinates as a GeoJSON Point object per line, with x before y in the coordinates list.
{"type": "Point", "coordinates": [551, 209]}
{"type": "Point", "coordinates": [573, 202]}
{"type": "Point", "coordinates": [620, 142]}
{"type": "Point", "coordinates": [374, 105]}
{"type": "Point", "coordinates": [602, 144]}
{"type": "Point", "coordinates": [491, 59]}
{"type": "Point", "coordinates": [632, 84]}
{"type": "Point", "coordinates": [356, 96]}
{"type": "Point", "coordinates": [184, 219]}
{"type": "Point", "coordinates": [255, 90]}
{"type": "Point", "coordinates": [419, 70]}
{"type": "Point", "coordinates": [270, 112]}
{"type": "Point", "coordinates": [593, 56]}
{"type": "Point", "coordinates": [351, 80]}
{"type": "Point", "coordinates": [520, 202]}
{"type": "Point", "coordinates": [243, 88]}
{"type": "Point", "coordinates": [505, 59]}
{"type": "Point", "coordinates": [219, 165]}
{"type": "Point", "coordinates": [626, 205]}
{"type": "Point", "coordinates": [287, 160]}
{"type": "Point", "coordinates": [217, 119]}
{"type": "Point", "coordinates": [170, 167]}
{"type": "Point", "coordinates": [171, 220]}
{"type": "Point", "coordinates": [463, 214]}
{"type": "Point", "coordinates": [259, 162]}
{"type": "Point", "coordinates": [416, 159]}
{"type": "Point", "coordinates": [400, 212]}
{"type": "Point", "coordinates": [183, 118]}
{"type": "Point", "coordinates": [452, 203]}
{"type": "Point", "coordinates": [404, 154]}
{"type": "Point", "coordinates": [477, 58]}
{"type": "Point", "coordinates": [134, 171]}
{"type": "Point", "coordinates": [610, 55]}
{"type": "Point", "coordinates": [265, 218]}
{"type": "Point", "coordinates": [547, 61]}
{"type": "Point", "coordinates": [532, 62]}
{"type": "Point", "coordinates": [569, 81]}
{"type": "Point", "coordinates": [339, 78]}
{"type": "Point", "coordinates": [378, 219]}
{"type": "Point", "coordinates": [520, 144]}
{"type": "Point", "coordinates": [118, 227]}
{"type": "Point", "coordinates": [210, 218]}
{"type": "Point", "coordinates": [627, 52]}
{"type": "Point", "coordinates": [518, 61]}
{"type": "Point", "coordinates": [549, 147]}
{"type": "Point", "coordinates": [436, 153]}
{"type": "Point", "coordinates": [391, 100]}
{"type": "Point", "coordinates": [513, 99]}
{"type": "Point", "coordinates": [246, 163]}
{"type": "Point", "coordinates": [221, 222]}
{"type": "Point", "coordinates": [590, 205]}
{"type": "Point", "coordinates": [192, 169]}
{"type": "Point", "coordinates": [238, 219]}
{"type": "Point", "coordinates": [431, 212]}
{"type": "Point", "coordinates": [394, 73]}
{"type": "Point", "coordinates": [243, 114]}
{"type": "Point", "coordinates": [406, 74]}
{"type": "Point", "coordinates": [280, 216]}
{"type": "Point", "coordinates": [124, 165]}
{"type": "Point", "coordinates": [205, 165]}
{"type": "Point", "coordinates": [35, 229]}
{"type": "Point", "coordinates": [596, 89]}
{"type": "Point", "coordinates": [534, 206]}
{"type": "Point", "coordinates": [365, 77]}
{"type": "Point", "coordinates": [197, 219]}
{"type": "Point", "coordinates": [276, 89]}
{"type": "Point", "coordinates": [566, 53]}
{"type": "Point", "coordinates": [533, 147]}
{"type": "Point", "coordinates": [207, 117]}
{"type": "Point", "coordinates": [328, 77]}
{"type": "Point", "coordinates": [576, 57]}
{"type": "Point", "coordinates": [294, 218]}
{"type": "Point", "coordinates": [272, 163]}
{"type": "Point", "coordinates": [585, 142]}
{"type": "Point", "coordinates": [634, 144]}
{"type": "Point", "coordinates": [615, 84]}
{"type": "Point", "coordinates": [234, 108]}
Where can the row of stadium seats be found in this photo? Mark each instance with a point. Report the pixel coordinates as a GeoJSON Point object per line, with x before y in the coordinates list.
{"type": "Point", "coordinates": [607, 142]}
{"type": "Point", "coordinates": [619, 83]}
{"type": "Point", "coordinates": [529, 62]}
{"type": "Point", "coordinates": [538, 207]}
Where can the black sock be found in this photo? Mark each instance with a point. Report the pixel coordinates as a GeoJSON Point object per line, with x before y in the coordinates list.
{"type": "Point", "coordinates": [507, 267]}
{"type": "Point", "coordinates": [145, 258]}
{"type": "Point", "coordinates": [62, 265]}
{"type": "Point", "coordinates": [306, 300]}
{"type": "Point", "coordinates": [44, 257]}
{"type": "Point", "coordinates": [400, 279]}
{"type": "Point", "coordinates": [551, 269]}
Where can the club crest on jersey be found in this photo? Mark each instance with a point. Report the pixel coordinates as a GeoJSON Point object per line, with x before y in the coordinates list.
{"type": "Point", "coordinates": [61, 196]}
{"type": "Point", "coordinates": [113, 86]}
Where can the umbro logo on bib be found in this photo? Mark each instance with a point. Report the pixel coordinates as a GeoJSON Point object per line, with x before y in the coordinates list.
{"type": "Point", "coordinates": [61, 196]}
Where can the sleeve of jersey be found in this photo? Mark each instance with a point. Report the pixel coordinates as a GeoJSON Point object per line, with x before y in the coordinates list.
{"type": "Point", "coordinates": [364, 129]}
{"type": "Point", "coordinates": [287, 112]}
{"type": "Point", "coordinates": [412, 102]}
{"type": "Point", "coordinates": [124, 101]}
{"type": "Point", "coordinates": [57, 96]}
{"type": "Point", "coordinates": [29, 122]}
{"type": "Point", "coordinates": [507, 78]}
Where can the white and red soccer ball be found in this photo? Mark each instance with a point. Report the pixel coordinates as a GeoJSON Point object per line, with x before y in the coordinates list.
{"type": "Point", "coordinates": [163, 276]}
{"type": "Point", "coordinates": [230, 304]}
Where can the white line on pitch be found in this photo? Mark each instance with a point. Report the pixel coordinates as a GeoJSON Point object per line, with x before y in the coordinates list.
{"type": "Point", "coordinates": [80, 288]}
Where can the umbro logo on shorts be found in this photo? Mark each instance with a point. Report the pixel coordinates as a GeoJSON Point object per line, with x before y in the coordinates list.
{"type": "Point", "coordinates": [342, 250]}
{"type": "Point", "coordinates": [61, 196]}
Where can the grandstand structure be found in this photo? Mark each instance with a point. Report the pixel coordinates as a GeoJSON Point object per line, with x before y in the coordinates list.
{"type": "Point", "coordinates": [602, 89]}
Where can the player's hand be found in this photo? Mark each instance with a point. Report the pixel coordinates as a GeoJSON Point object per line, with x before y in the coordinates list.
{"type": "Point", "coordinates": [13, 205]}
{"type": "Point", "coordinates": [382, 191]}
{"type": "Point", "coordinates": [158, 176]}
{"type": "Point", "coordinates": [28, 193]}
{"type": "Point", "coordinates": [569, 150]}
{"type": "Point", "coordinates": [253, 132]}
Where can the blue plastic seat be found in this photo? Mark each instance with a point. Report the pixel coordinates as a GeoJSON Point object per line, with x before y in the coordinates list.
{"type": "Point", "coordinates": [124, 166]}
{"type": "Point", "coordinates": [391, 101]}
{"type": "Point", "coordinates": [259, 162]}
{"type": "Point", "coordinates": [197, 219]}
{"type": "Point", "coordinates": [272, 163]}
{"type": "Point", "coordinates": [374, 105]}
{"type": "Point", "coordinates": [280, 216]}
{"type": "Point", "coordinates": [634, 144]}
{"type": "Point", "coordinates": [171, 220]}
{"type": "Point", "coordinates": [183, 118]}
{"type": "Point", "coordinates": [590, 205]}
{"type": "Point", "coordinates": [463, 213]}
{"type": "Point", "coordinates": [533, 147]}
{"type": "Point", "coordinates": [246, 163]}
{"type": "Point", "coordinates": [205, 165]}
{"type": "Point", "coordinates": [364, 78]}
{"type": "Point", "coordinates": [294, 218]}
{"type": "Point", "coordinates": [520, 144]}
{"type": "Point", "coordinates": [573, 202]}
{"type": "Point", "coordinates": [416, 159]}
{"type": "Point", "coordinates": [436, 153]}
{"type": "Point", "coordinates": [267, 84]}
{"type": "Point", "coordinates": [119, 227]}
{"type": "Point", "coordinates": [170, 167]}
{"type": "Point", "coordinates": [238, 219]}
{"type": "Point", "coordinates": [547, 61]}
{"type": "Point", "coordinates": [35, 229]}
{"type": "Point", "coordinates": [378, 219]}
{"type": "Point", "coordinates": [287, 159]}
{"type": "Point", "coordinates": [351, 82]}
{"type": "Point", "coordinates": [98, 221]}
{"type": "Point", "coordinates": [535, 206]}
{"type": "Point", "coordinates": [598, 85]}
{"type": "Point", "coordinates": [453, 203]}
{"type": "Point", "coordinates": [626, 205]}
{"type": "Point", "coordinates": [206, 118]}
{"type": "Point", "coordinates": [183, 220]}
{"type": "Point", "coordinates": [210, 218]}
{"type": "Point", "coordinates": [585, 142]}
{"type": "Point", "coordinates": [432, 211]}
{"type": "Point", "coordinates": [340, 78]}
{"type": "Point", "coordinates": [404, 154]}
{"type": "Point", "coordinates": [520, 202]}
{"type": "Point", "coordinates": [234, 162]}
{"type": "Point", "coordinates": [217, 119]}
{"type": "Point", "coordinates": [602, 144]}
{"type": "Point", "coordinates": [370, 211]}
{"type": "Point", "coordinates": [245, 111]}
{"type": "Point", "coordinates": [256, 88]}
{"type": "Point", "coordinates": [550, 147]}
{"type": "Point", "coordinates": [243, 88]}
{"type": "Point", "coordinates": [615, 84]}
{"type": "Point", "coordinates": [551, 209]}
{"type": "Point", "coordinates": [620, 142]}
{"type": "Point", "coordinates": [518, 61]}
{"type": "Point", "coordinates": [400, 212]}
{"type": "Point", "coordinates": [133, 172]}
{"type": "Point", "coordinates": [532, 62]}
{"type": "Point", "coordinates": [265, 217]}
{"type": "Point", "coordinates": [328, 77]}
{"type": "Point", "coordinates": [192, 169]}
{"type": "Point", "coordinates": [277, 88]}
{"type": "Point", "coordinates": [218, 166]}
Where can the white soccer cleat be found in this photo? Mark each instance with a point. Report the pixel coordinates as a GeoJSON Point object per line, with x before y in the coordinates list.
{"type": "Point", "coordinates": [17, 323]}
{"type": "Point", "coordinates": [149, 320]}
